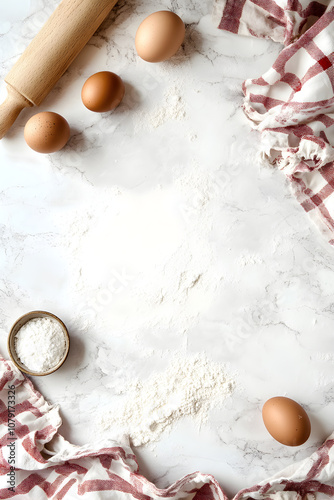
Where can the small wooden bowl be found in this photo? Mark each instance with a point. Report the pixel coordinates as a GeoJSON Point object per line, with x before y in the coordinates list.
{"type": "Point", "coordinates": [16, 327]}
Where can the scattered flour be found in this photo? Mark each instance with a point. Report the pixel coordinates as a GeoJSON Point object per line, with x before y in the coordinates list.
{"type": "Point", "coordinates": [172, 108]}
{"type": "Point", "coordinates": [149, 253]}
{"type": "Point", "coordinates": [191, 386]}
{"type": "Point", "coordinates": [246, 259]}
{"type": "Point", "coordinates": [324, 356]}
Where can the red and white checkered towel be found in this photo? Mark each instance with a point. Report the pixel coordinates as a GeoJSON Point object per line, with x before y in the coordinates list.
{"type": "Point", "coordinates": [292, 104]}
{"type": "Point", "coordinates": [37, 463]}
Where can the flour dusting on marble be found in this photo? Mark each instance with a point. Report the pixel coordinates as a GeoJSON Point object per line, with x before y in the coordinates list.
{"type": "Point", "coordinates": [147, 253]}
{"type": "Point", "coordinates": [190, 386]}
{"type": "Point", "coordinates": [324, 356]}
{"type": "Point", "coordinates": [247, 258]}
{"type": "Point", "coordinates": [171, 108]}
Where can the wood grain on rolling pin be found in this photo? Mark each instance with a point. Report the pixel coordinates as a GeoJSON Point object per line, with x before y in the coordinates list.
{"type": "Point", "coordinates": [50, 53]}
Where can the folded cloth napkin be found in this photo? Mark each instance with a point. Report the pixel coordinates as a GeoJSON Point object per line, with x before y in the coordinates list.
{"type": "Point", "coordinates": [292, 104]}
{"type": "Point", "coordinates": [37, 463]}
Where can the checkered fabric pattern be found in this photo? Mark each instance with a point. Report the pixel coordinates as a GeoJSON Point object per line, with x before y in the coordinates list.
{"type": "Point", "coordinates": [46, 466]}
{"type": "Point", "coordinates": [292, 104]}
{"type": "Point", "coordinates": [49, 467]}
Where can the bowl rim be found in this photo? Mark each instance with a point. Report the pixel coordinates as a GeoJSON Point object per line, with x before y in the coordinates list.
{"type": "Point", "coordinates": [15, 328]}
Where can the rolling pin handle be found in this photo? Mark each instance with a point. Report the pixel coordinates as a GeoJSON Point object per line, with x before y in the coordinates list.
{"type": "Point", "coordinates": [11, 108]}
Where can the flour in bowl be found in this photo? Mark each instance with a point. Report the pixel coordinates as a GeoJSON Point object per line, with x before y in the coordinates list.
{"type": "Point", "coordinates": [40, 344]}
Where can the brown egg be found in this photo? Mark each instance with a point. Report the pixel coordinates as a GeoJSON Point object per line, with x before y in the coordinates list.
{"type": "Point", "coordinates": [102, 91]}
{"type": "Point", "coordinates": [286, 421]}
{"type": "Point", "coordinates": [46, 132]}
{"type": "Point", "coordinates": [159, 36]}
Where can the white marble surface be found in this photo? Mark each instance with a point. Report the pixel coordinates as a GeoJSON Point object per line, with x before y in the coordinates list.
{"type": "Point", "coordinates": [151, 239]}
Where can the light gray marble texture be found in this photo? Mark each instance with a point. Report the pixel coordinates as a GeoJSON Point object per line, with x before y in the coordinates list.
{"type": "Point", "coordinates": [168, 182]}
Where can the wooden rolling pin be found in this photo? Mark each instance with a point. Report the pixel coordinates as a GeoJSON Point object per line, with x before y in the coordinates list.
{"type": "Point", "coordinates": [49, 55]}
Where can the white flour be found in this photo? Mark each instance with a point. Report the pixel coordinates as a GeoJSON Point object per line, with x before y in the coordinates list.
{"type": "Point", "coordinates": [324, 356]}
{"type": "Point", "coordinates": [171, 108]}
{"type": "Point", "coordinates": [247, 258]}
{"type": "Point", "coordinates": [40, 344]}
{"type": "Point", "coordinates": [190, 386]}
{"type": "Point", "coordinates": [148, 253]}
